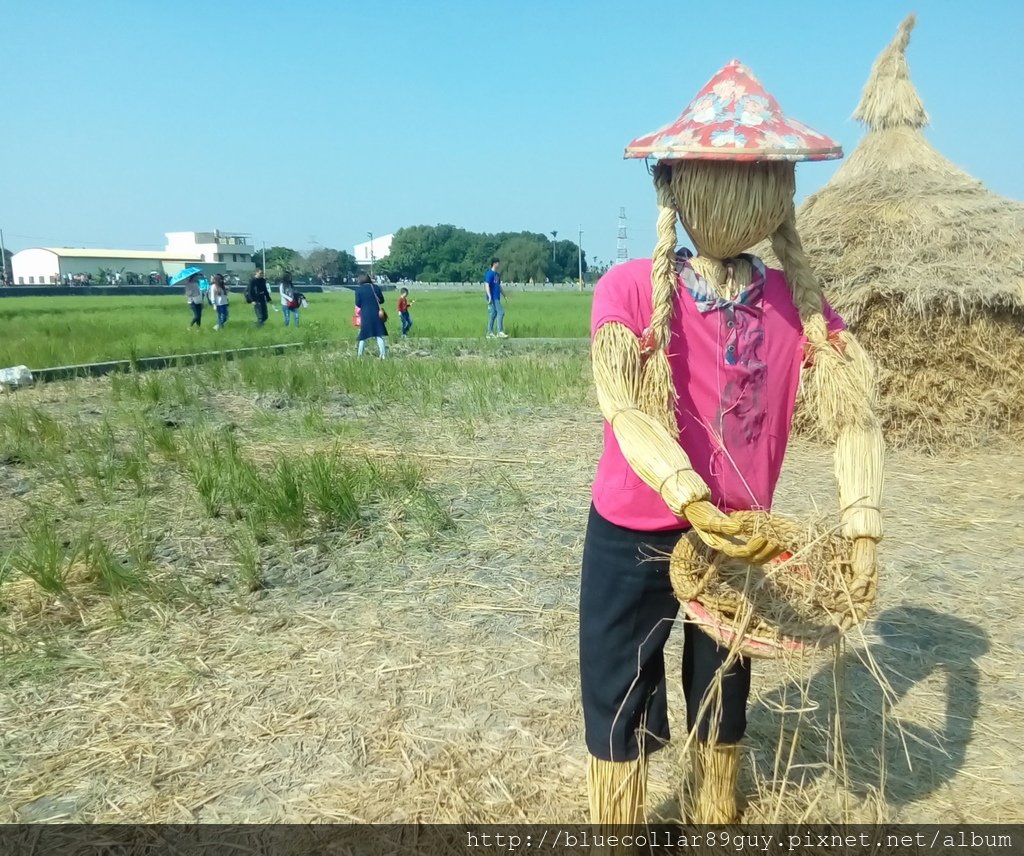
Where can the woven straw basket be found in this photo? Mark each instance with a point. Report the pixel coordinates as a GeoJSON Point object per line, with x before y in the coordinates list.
{"type": "Point", "coordinates": [807, 598]}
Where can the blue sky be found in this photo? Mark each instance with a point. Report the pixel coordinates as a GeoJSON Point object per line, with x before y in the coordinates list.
{"type": "Point", "coordinates": [314, 122]}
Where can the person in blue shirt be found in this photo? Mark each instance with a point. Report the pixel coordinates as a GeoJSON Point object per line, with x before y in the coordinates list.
{"type": "Point", "coordinates": [494, 292]}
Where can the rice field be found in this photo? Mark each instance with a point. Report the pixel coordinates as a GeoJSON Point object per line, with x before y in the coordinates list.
{"type": "Point", "coordinates": [313, 588]}
{"type": "Point", "coordinates": [40, 332]}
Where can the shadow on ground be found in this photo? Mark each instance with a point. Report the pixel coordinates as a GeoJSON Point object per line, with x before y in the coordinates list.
{"type": "Point", "coordinates": [851, 716]}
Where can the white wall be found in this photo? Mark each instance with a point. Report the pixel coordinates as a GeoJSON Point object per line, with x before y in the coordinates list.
{"type": "Point", "coordinates": [34, 267]}
{"type": "Point", "coordinates": [381, 247]}
{"type": "Point", "coordinates": [234, 257]}
{"type": "Point", "coordinates": [42, 267]}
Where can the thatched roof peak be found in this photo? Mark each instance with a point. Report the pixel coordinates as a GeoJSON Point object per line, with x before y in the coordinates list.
{"type": "Point", "coordinates": [889, 99]}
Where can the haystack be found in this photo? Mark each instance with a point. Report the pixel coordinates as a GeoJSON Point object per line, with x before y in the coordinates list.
{"type": "Point", "coordinates": [927, 267]}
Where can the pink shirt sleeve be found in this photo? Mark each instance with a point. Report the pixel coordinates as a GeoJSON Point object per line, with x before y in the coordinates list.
{"type": "Point", "coordinates": [832, 318]}
{"type": "Point", "coordinates": [616, 299]}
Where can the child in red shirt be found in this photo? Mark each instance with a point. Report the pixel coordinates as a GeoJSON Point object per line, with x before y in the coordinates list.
{"type": "Point", "coordinates": [403, 311]}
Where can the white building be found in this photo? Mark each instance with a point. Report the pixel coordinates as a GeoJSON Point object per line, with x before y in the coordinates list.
{"type": "Point", "coordinates": [214, 252]}
{"type": "Point", "coordinates": [230, 249]}
{"type": "Point", "coordinates": [372, 251]}
{"type": "Point", "coordinates": [50, 265]}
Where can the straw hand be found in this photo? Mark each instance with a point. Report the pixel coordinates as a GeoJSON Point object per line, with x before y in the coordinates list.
{"type": "Point", "coordinates": [865, 567]}
{"type": "Point", "coordinates": [723, 533]}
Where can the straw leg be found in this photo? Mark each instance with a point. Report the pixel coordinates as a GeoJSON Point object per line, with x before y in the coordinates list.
{"type": "Point", "coordinates": [618, 797]}
{"type": "Point", "coordinates": [716, 775]}
{"type": "Point", "coordinates": [618, 791]}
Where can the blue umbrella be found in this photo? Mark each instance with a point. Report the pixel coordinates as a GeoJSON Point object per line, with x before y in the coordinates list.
{"type": "Point", "coordinates": [184, 274]}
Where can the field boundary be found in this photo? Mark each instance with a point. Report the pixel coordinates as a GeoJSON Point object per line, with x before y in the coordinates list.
{"type": "Point", "coordinates": [15, 291]}
{"type": "Point", "coordinates": [144, 364]}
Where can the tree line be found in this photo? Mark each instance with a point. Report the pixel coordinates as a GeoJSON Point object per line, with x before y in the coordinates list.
{"type": "Point", "coordinates": [323, 263]}
{"type": "Point", "coordinates": [442, 253]}
{"type": "Point", "coordinates": [447, 253]}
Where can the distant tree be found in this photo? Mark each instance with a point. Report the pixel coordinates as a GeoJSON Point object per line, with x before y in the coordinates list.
{"type": "Point", "coordinates": [323, 263]}
{"type": "Point", "coordinates": [279, 260]}
{"type": "Point", "coordinates": [566, 264]}
{"type": "Point", "coordinates": [523, 258]}
{"type": "Point", "coordinates": [347, 264]}
{"type": "Point", "coordinates": [421, 251]}
{"type": "Point", "coordinates": [446, 253]}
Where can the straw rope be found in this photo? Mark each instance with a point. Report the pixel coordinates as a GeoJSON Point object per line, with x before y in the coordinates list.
{"type": "Point", "coordinates": [809, 600]}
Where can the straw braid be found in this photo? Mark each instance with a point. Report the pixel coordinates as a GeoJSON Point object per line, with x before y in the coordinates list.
{"type": "Point", "coordinates": [657, 390]}
{"type": "Point", "coordinates": [841, 393]}
{"type": "Point", "coordinates": [807, 292]}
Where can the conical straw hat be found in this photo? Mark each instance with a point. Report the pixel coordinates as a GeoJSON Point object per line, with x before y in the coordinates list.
{"type": "Point", "coordinates": [734, 118]}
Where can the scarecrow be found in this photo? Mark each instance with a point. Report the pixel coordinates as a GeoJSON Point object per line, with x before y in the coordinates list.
{"type": "Point", "coordinates": [698, 362]}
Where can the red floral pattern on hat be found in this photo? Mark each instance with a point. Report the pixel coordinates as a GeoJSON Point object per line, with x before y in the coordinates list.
{"type": "Point", "coordinates": [734, 118]}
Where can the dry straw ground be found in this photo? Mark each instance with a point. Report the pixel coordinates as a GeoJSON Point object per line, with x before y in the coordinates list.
{"type": "Point", "coordinates": [404, 678]}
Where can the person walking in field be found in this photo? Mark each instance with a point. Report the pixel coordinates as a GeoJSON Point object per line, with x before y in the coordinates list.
{"type": "Point", "coordinates": [494, 292]}
{"type": "Point", "coordinates": [403, 311]}
{"type": "Point", "coordinates": [289, 299]}
{"type": "Point", "coordinates": [219, 299]}
{"type": "Point", "coordinates": [372, 317]}
{"type": "Point", "coordinates": [194, 298]}
{"type": "Point", "coordinates": [259, 296]}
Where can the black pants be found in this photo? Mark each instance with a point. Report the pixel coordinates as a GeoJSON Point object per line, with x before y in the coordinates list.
{"type": "Point", "coordinates": [627, 609]}
{"type": "Point", "coordinates": [197, 314]}
{"type": "Point", "coordinates": [260, 306]}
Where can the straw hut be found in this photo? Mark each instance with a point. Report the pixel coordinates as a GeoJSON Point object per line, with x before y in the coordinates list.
{"type": "Point", "coordinates": [927, 267]}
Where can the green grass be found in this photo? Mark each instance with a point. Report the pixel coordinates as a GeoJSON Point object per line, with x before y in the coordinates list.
{"type": "Point", "coordinates": [247, 456]}
{"type": "Point", "coordinates": [44, 555]}
{"type": "Point", "coordinates": [51, 331]}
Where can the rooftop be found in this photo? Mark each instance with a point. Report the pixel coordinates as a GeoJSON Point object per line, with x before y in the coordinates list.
{"type": "Point", "coordinates": [89, 253]}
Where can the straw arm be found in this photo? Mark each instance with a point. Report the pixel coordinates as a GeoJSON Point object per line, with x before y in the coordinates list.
{"type": "Point", "coordinates": [860, 451]}
{"type": "Point", "coordinates": [650, 450]}
{"type": "Point", "coordinates": [841, 393]}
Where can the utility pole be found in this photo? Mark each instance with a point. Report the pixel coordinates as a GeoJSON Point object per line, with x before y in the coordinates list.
{"type": "Point", "coordinates": [370, 236]}
{"type": "Point", "coordinates": [3, 253]}
{"type": "Point", "coordinates": [621, 251]}
{"type": "Point", "coordinates": [554, 234]}
{"type": "Point", "coordinates": [264, 258]}
{"type": "Point", "coordinates": [579, 253]}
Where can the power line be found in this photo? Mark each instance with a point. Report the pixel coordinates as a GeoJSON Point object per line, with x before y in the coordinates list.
{"type": "Point", "coordinates": [621, 250]}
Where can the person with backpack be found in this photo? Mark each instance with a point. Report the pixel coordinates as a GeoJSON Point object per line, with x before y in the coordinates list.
{"type": "Point", "coordinates": [290, 299]}
{"type": "Point", "coordinates": [259, 296]}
